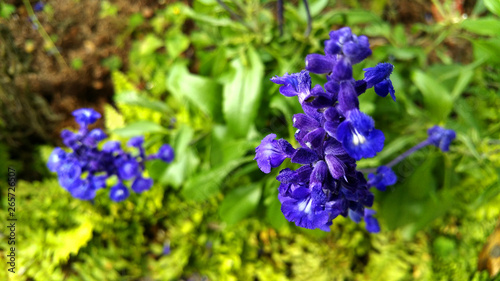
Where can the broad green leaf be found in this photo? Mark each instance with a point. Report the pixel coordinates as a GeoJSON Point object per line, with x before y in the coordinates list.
{"type": "Point", "coordinates": [203, 92]}
{"type": "Point", "coordinates": [240, 203]}
{"type": "Point", "coordinates": [413, 204]}
{"type": "Point", "coordinates": [242, 93]}
{"type": "Point", "coordinates": [274, 215]}
{"type": "Point", "coordinates": [487, 49]}
{"type": "Point", "coordinates": [493, 6]}
{"type": "Point", "coordinates": [134, 98]}
{"type": "Point", "coordinates": [462, 82]}
{"type": "Point", "coordinates": [436, 98]}
{"type": "Point", "coordinates": [139, 128]}
{"type": "Point", "coordinates": [482, 26]}
{"type": "Point", "coordinates": [176, 43]}
{"type": "Point", "coordinates": [226, 148]}
{"type": "Point", "coordinates": [207, 184]}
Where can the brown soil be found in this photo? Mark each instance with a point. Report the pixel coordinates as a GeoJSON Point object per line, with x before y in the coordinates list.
{"type": "Point", "coordinates": [38, 92]}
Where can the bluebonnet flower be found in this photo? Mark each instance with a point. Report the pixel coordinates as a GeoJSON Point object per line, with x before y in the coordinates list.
{"type": "Point", "coordinates": [85, 168]}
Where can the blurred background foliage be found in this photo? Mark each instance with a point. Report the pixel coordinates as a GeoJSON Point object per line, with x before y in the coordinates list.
{"type": "Point", "coordinates": [191, 74]}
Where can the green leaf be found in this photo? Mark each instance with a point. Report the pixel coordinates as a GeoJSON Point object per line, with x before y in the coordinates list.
{"type": "Point", "coordinates": [242, 93]}
{"type": "Point", "coordinates": [207, 184]}
{"type": "Point", "coordinates": [149, 44]}
{"type": "Point", "coordinates": [436, 98]}
{"type": "Point", "coordinates": [240, 203]}
{"type": "Point", "coordinates": [113, 120]}
{"type": "Point", "coordinates": [202, 92]}
{"type": "Point", "coordinates": [462, 82]}
{"type": "Point", "coordinates": [487, 50]}
{"type": "Point", "coordinates": [139, 128]}
{"type": "Point", "coordinates": [6, 10]}
{"type": "Point", "coordinates": [77, 63]}
{"type": "Point", "coordinates": [135, 20]}
{"type": "Point", "coordinates": [112, 62]}
{"type": "Point", "coordinates": [315, 7]}
{"type": "Point", "coordinates": [176, 43]}
{"type": "Point", "coordinates": [133, 98]}
{"type": "Point", "coordinates": [413, 204]}
{"type": "Point", "coordinates": [493, 6]}
{"type": "Point", "coordinates": [355, 17]}
{"type": "Point", "coordinates": [482, 26]}
{"type": "Point", "coordinates": [186, 160]}
{"type": "Point", "coordinates": [121, 83]}
{"type": "Point", "coordinates": [70, 241]}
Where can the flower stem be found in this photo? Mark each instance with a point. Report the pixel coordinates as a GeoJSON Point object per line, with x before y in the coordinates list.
{"type": "Point", "coordinates": [44, 34]}
{"type": "Point", "coordinates": [399, 158]}
{"type": "Point", "coordinates": [407, 153]}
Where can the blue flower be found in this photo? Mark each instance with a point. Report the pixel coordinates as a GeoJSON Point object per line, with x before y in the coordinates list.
{"type": "Point", "coordinates": [82, 189]}
{"type": "Point", "coordinates": [38, 6]}
{"type": "Point", "coordinates": [332, 134]}
{"type": "Point", "coordinates": [111, 146]}
{"type": "Point", "coordinates": [86, 116]}
{"type": "Point", "coordinates": [441, 137]}
{"type": "Point", "coordinates": [127, 169]}
{"type": "Point", "coordinates": [271, 153]}
{"type": "Point", "coordinates": [69, 172]}
{"type": "Point", "coordinates": [86, 168]}
{"type": "Point", "coordinates": [377, 74]}
{"type": "Point", "coordinates": [371, 222]}
{"type": "Point", "coordinates": [166, 153]}
{"type": "Point", "coordinates": [142, 184]}
{"type": "Point", "coordinates": [306, 208]}
{"type": "Point", "coordinates": [348, 98]}
{"type": "Point", "coordinates": [319, 64]}
{"type": "Point", "coordinates": [378, 77]}
{"type": "Point", "coordinates": [119, 192]}
{"type": "Point", "coordinates": [295, 84]}
{"type": "Point", "coordinates": [359, 137]}
{"type": "Point", "coordinates": [93, 137]}
{"type": "Point", "coordinates": [56, 159]}
{"type": "Point", "coordinates": [383, 178]}
{"type": "Point", "coordinates": [136, 141]}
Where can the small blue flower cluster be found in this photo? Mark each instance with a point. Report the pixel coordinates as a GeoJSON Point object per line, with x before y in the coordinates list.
{"type": "Point", "coordinates": [85, 169]}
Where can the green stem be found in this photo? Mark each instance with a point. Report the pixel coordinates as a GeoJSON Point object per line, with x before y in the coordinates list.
{"type": "Point", "coordinates": [44, 34]}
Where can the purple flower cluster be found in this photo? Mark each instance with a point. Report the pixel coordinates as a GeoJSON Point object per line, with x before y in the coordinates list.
{"type": "Point", "coordinates": [333, 134]}
{"type": "Point", "coordinates": [85, 169]}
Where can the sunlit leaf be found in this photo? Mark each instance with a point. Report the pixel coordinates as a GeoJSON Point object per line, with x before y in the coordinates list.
{"type": "Point", "coordinates": [242, 93]}
{"type": "Point", "coordinates": [240, 203]}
